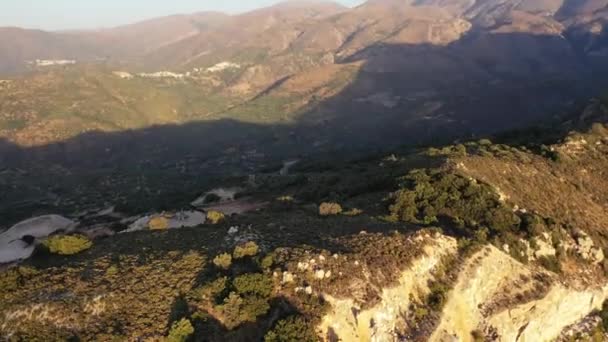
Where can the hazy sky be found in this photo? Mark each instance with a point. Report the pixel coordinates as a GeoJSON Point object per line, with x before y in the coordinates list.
{"type": "Point", "coordinates": [79, 14]}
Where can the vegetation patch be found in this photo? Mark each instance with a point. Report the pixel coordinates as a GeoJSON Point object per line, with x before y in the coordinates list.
{"type": "Point", "coordinates": [223, 260]}
{"type": "Point", "coordinates": [180, 331]}
{"type": "Point", "coordinates": [249, 248]}
{"type": "Point", "coordinates": [329, 209]}
{"type": "Point", "coordinates": [291, 329]}
{"type": "Point", "coordinates": [215, 217]}
{"type": "Point", "coordinates": [67, 244]}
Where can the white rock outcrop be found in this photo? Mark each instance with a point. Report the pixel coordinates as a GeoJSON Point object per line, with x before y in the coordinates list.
{"type": "Point", "coordinates": [348, 322]}
{"type": "Point", "coordinates": [180, 219]}
{"type": "Point", "coordinates": [12, 248]}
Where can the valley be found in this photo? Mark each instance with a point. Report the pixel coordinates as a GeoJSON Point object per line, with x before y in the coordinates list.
{"type": "Point", "coordinates": [418, 170]}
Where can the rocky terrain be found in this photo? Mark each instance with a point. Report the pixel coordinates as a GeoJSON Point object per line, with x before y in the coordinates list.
{"type": "Point", "coordinates": [421, 170]}
{"type": "Point", "coordinates": [474, 241]}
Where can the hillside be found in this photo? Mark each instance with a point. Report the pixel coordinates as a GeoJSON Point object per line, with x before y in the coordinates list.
{"type": "Point", "coordinates": [479, 240]}
{"type": "Point", "coordinates": [378, 75]}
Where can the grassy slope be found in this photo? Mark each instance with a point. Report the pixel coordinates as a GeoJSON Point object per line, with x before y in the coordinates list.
{"type": "Point", "coordinates": [172, 271]}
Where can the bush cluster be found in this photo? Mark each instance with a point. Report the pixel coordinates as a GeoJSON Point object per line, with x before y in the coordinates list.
{"type": "Point", "coordinates": [292, 329]}
{"type": "Point", "coordinates": [180, 331]}
{"type": "Point", "coordinates": [427, 195]}
{"type": "Point", "coordinates": [223, 260]}
{"type": "Point", "coordinates": [215, 217]}
{"type": "Point", "coordinates": [158, 223]}
{"type": "Point", "coordinates": [329, 209]}
{"type": "Point", "coordinates": [67, 244]}
{"type": "Point", "coordinates": [249, 248]}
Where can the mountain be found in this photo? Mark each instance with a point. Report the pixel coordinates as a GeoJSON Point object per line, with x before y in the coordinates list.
{"type": "Point", "coordinates": [391, 247]}
{"type": "Point", "coordinates": [374, 76]}
{"type": "Point", "coordinates": [120, 43]}
{"type": "Point", "coordinates": [418, 170]}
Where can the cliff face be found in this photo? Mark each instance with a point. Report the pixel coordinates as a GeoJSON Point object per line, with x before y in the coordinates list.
{"type": "Point", "coordinates": [494, 295]}
{"type": "Point", "coordinates": [349, 322]}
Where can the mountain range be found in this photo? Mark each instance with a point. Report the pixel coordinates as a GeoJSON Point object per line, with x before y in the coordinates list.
{"type": "Point", "coordinates": [421, 66]}
{"type": "Point", "coordinates": [404, 170]}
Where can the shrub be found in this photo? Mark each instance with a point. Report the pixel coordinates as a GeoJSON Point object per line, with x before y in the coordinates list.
{"type": "Point", "coordinates": [604, 315]}
{"type": "Point", "coordinates": [551, 263]}
{"type": "Point", "coordinates": [180, 331]}
{"type": "Point", "coordinates": [247, 249]}
{"type": "Point", "coordinates": [477, 335]}
{"type": "Point", "coordinates": [253, 283]}
{"type": "Point", "coordinates": [353, 212]}
{"type": "Point", "coordinates": [67, 244]}
{"type": "Point", "coordinates": [212, 290]}
{"type": "Point", "coordinates": [158, 223]}
{"type": "Point", "coordinates": [285, 199]}
{"type": "Point", "coordinates": [215, 217]}
{"type": "Point", "coordinates": [237, 310]}
{"type": "Point", "coordinates": [292, 329]}
{"type": "Point", "coordinates": [438, 296]}
{"type": "Point", "coordinates": [427, 195]}
{"type": "Point", "coordinates": [329, 208]}
{"type": "Point", "coordinates": [223, 260]}
{"type": "Point", "coordinates": [267, 261]}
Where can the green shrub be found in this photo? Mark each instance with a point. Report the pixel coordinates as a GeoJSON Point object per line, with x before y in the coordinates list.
{"type": "Point", "coordinates": [247, 249]}
{"type": "Point", "coordinates": [329, 208]}
{"type": "Point", "coordinates": [237, 310]}
{"type": "Point", "coordinates": [267, 261]}
{"type": "Point", "coordinates": [223, 260]}
{"type": "Point", "coordinates": [180, 331]}
{"type": "Point", "coordinates": [67, 244]}
{"type": "Point", "coordinates": [215, 217]}
{"type": "Point", "coordinates": [551, 263]}
{"type": "Point", "coordinates": [212, 290]}
{"type": "Point", "coordinates": [292, 329]}
{"type": "Point", "coordinates": [477, 335]}
{"type": "Point", "coordinates": [426, 195]}
{"type": "Point", "coordinates": [604, 315]}
{"type": "Point", "coordinates": [253, 283]}
{"type": "Point", "coordinates": [438, 296]}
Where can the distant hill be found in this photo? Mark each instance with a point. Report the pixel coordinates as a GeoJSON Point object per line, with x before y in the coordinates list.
{"type": "Point", "coordinates": [383, 73]}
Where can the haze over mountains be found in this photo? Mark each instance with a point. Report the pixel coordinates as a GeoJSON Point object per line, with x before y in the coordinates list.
{"type": "Point", "coordinates": [296, 25]}
{"type": "Point", "coordinates": [386, 72]}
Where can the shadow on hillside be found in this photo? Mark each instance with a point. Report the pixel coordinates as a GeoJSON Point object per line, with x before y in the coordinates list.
{"type": "Point", "coordinates": [402, 95]}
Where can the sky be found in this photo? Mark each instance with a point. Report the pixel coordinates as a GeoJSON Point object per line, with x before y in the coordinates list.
{"type": "Point", "coordinates": [93, 14]}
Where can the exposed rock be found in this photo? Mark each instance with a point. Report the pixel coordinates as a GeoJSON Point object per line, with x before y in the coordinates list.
{"type": "Point", "coordinates": [168, 221]}
{"type": "Point", "coordinates": [223, 66]}
{"type": "Point", "coordinates": [12, 248]}
{"type": "Point", "coordinates": [348, 322]}
{"type": "Point", "coordinates": [224, 194]}
{"type": "Point", "coordinates": [544, 249]}
{"type": "Point", "coordinates": [122, 74]}
{"type": "Point", "coordinates": [587, 249]}
{"type": "Point", "coordinates": [544, 319]}
{"type": "Point", "coordinates": [287, 278]}
{"type": "Point", "coordinates": [496, 278]}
